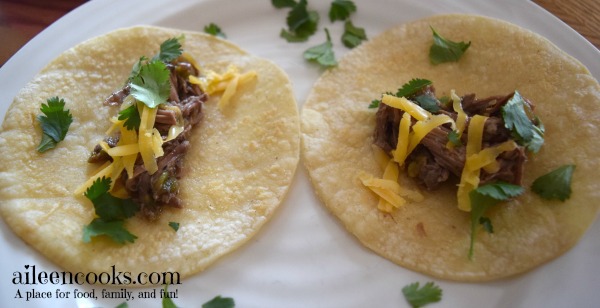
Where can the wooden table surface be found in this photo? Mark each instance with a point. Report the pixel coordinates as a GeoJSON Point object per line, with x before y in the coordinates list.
{"type": "Point", "coordinates": [21, 20]}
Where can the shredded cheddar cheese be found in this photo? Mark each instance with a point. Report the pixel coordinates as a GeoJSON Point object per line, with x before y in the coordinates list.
{"type": "Point", "coordinates": [469, 179]}
{"type": "Point", "coordinates": [401, 151]}
{"type": "Point", "coordinates": [391, 194]}
{"type": "Point", "coordinates": [404, 104]}
{"type": "Point", "coordinates": [228, 83]}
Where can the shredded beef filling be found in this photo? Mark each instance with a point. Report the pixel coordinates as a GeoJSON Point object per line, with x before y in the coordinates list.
{"type": "Point", "coordinates": [154, 191]}
{"type": "Point", "coordinates": [432, 163]}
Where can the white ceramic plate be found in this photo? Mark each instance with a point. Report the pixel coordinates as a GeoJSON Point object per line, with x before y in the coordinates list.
{"type": "Point", "coordinates": [303, 257]}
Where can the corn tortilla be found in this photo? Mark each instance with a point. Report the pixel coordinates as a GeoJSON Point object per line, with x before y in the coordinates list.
{"type": "Point", "coordinates": [432, 236]}
{"type": "Point", "coordinates": [237, 172]}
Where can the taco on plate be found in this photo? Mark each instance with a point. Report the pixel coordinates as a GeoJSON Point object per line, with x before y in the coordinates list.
{"type": "Point", "coordinates": [188, 157]}
{"type": "Point", "coordinates": [405, 187]}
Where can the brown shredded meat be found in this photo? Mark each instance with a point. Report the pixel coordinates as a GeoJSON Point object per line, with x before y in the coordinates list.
{"type": "Point", "coordinates": [155, 191]}
{"type": "Point", "coordinates": [432, 163]}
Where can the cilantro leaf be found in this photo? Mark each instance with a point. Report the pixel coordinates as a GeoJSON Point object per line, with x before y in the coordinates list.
{"type": "Point", "coordinates": [169, 50]}
{"type": "Point", "coordinates": [167, 302]}
{"type": "Point", "coordinates": [174, 225]}
{"type": "Point", "coordinates": [428, 103]}
{"type": "Point", "coordinates": [375, 103]}
{"type": "Point", "coordinates": [283, 3]}
{"type": "Point", "coordinates": [113, 229]}
{"type": "Point", "coordinates": [122, 305]}
{"type": "Point", "coordinates": [485, 197]}
{"type": "Point", "coordinates": [55, 123]}
{"type": "Point", "coordinates": [152, 85]}
{"type": "Point", "coordinates": [131, 115]}
{"type": "Point", "coordinates": [135, 70]}
{"type": "Point", "coordinates": [322, 54]}
{"type": "Point", "coordinates": [341, 9]}
{"type": "Point", "coordinates": [535, 144]}
{"type": "Point", "coordinates": [412, 87]}
{"type": "Point", "coordinates": [219, 302]}
{"type": "Point", "coordinates": [443, 50]}
{"type": "Point", "coordinates": [214, 30]}
{"type": "Point", "coordinates": [111, 212]}
{"type": "Point", "coordinates": [555, 184]}
{"type": "Point", "coordinates": [353, 35]}
{"type": "Point", "coordinates": [516, 119]}
{"type": "Point", "coordinates": [429, 293]}
{"type": "Point", "coordinates": [301, 22]}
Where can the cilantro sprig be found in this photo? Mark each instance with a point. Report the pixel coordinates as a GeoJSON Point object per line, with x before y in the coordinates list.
{"type": "Point", "coordinates": [419, 297]}
{"type": "Point", "coordinates": [111, 214]}
{"type": "Point", "coordinates": [485, 197]}
{"type": "Point", "coordinates": [215, 30]}
{"type": "Point", "coordinates": [353, 35]}
{"type": "Point", "coordinates": [219, 302]}
{"type": "Point", "coordinates": [131, 115]}
{"type": "Point", "coordinates": [151, 85]}
{"type": "Point", "coordinates": [341, 9]}
{"type": "Point", "coordinates": [322, 53]}
{"type": "Point", "coordinates": [514, 113]}
{"type": "Point", "coordinates": [283, 3]}
{"type": "Point", "coordinates": [170, 49]}
{"type": "Point", "coordinates": [555, 184]}
{"type": "Point", "coordinates": [55, 123]}
{"type": "Point", "coordinates": [301, 22]}
{"type": "Point", "coordinates": [443, 50]}
{"type": "Point", "coordinates": [409, 89]}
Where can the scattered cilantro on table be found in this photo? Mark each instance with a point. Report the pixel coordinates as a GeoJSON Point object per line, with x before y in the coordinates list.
{"type": "Point", "coordinates": [485, 197]}
{"type": "Point", "coordinates": [151, 85]}
{"type": "Point", "coordinates": [419, 297]}
{"type": "Point", "coordinates": [301, 22]}
{"type": "Point", "coordinates": [111, 214]}
{"type": "Point", "coordinates": [322, 53]}
{"type": "Point", "coordinates": [443, 50]}
{"type": "Point", "coordinates": [215, 30]}
{"type": "Point", "coordinates": [353, 35]}
{"type": "Point", "coordinates": [55, 123]}
{"type": "Point", "coordinates": [555, 184]}
{"type": "Point", "coordinates": [220, 302]}
{"type": "Point", "coordinates": [131, 115]}
{"type": "Point", "coordinates": [341, 9]}
{"type": "Point", "coordinates": [283, 3]}
{"type": "Point", "coordinates": [167, 302]}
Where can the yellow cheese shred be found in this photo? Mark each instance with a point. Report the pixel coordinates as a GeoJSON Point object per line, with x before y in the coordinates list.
{"type": "Point", "coordinates": [391, 194]}
{"type": "Point", "coordinates": [228, 83]}
{"type": "Point", "coordinates": [469, 179]}
{"type": "Point", "coordinates": [404, 104]}
{"type": "Point", "coordinates": [461, 117]}
{"type": "Point", "coordinates": [401, 151]}
{"type": "Point", "coordinates": [145, 138]}
{"type": "Point", "coordinates": [422, 128]}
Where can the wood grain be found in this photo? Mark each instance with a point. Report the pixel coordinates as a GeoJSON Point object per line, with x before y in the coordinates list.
{"type": "Point", "coordinates": [21, 20]}
{"type": "Point", "coordinates": [581, 15]}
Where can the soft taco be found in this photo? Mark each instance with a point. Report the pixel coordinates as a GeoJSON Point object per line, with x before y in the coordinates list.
{"type": "Point", "coordinates": [429, 233]}
{"type": "Point", "coordinates": [240, 154]}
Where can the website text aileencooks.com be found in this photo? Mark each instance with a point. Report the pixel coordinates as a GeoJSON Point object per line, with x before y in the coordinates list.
{"type": "Point", "coordinates": [110, 277]}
